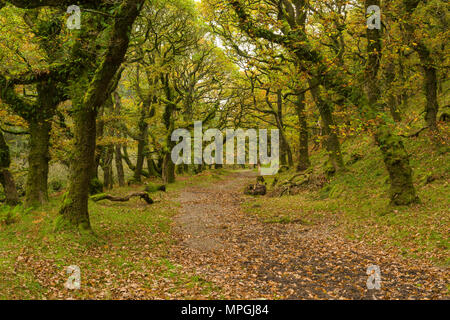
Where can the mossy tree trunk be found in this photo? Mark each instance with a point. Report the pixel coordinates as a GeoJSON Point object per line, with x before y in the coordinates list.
{"type": "Point", "coordinates": [168, 167]}
{"type": "Point", "coordinates": [38, 158]}
{"type": "Point", "coordinates": [395, 156]}
{"type": "Point", "coordinates": [117, 146]}
{"type": "Point", "coordinates": [119, 166]}
{"type": "Point", "coordinates": [75, 206]}
{"type": "Point", "coordinates": [168, 172]}
{"type": "Point", "coordinates": [329, 127]}
{"type": "Point", "coordinates": [396, 160]}
{"type": "Point", "coordinates": [151, 165]}
{"type": "Point", "coordinates": [428, 65]}
{"type": "Point", "coordinates": [285, 152]}
{"type": "Point", "coordinates": [430, 88]}
{"type": "Point", "coordinates": [6, 178]}
{"type": "Point", "coordinates": [303, 151]}
{"type": "Point", "coordinates": [142, 147]}
{"type": "Point", "coordinates": [147, 111]}
{"type": "Point", "coordinates": [392, 99]}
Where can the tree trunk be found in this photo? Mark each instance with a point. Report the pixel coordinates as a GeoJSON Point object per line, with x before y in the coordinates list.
{"type": "Point", "coordinates": [119, 166]}
{"type": "Point", "coordinates": [38, 159]}
{"type": "Point", "coordinates": [429, 70]}
{"type": "Point", "coordinates": [152, 169]}
{"type": "Point", "coordinates": [142, 146]}
{"type": "Point", "coordinates": [332, 141]}
{"type": "Point", "coordinates": [6, 178]}
{"type": "Point", "coordinates": [99, 148]}
{"type": "Point", "coordinates": [392, 99]}
{"type": "Point", "coordinates": [108, 156]}
{"type": "Point", "coordinates": [117, 148]}
{"type": "Point", "coordinates": [432, 106]}
{"type": "Point", "coordinates": [75, 206]}
{"type": "Point", "coordinates": [168, 169]}
{"type": "Point", "coordinates": [303, 151]}
{"type": "Point", "coordinates": [40, 126]}
{"type": "Point", "coordinates": [396, 159]}
{"type": "Point", "coordinates": [285, 152]}
{"type": "Point", "coordinates": [7, 181]}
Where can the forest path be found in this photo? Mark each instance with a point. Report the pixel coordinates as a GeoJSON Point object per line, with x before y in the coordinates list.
{"type": "Point", "coordinates": [249, 259]}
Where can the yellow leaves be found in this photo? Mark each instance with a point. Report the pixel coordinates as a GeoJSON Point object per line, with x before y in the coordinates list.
{"type": "Point", "coordinates": [38, 221]}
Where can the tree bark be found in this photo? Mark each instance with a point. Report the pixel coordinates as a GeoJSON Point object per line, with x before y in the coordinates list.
{"type": "Point", "coordinates": [142, 146]}
{"type": "Point", "coordinates": [9, 186]}
{"type": "Point", "coordinates": [329, 128]}
{"type": "Point", "coordinates": [286, 152]}
{"type": "Point", "coordinates": [431, 85]}
{"type": "Point", "coordinates": [119, 166]}
{"type": "Point", "coordinates": [303, 151]}
{"type": "Point", "coordinates": [38, 159]}
{"type": "Point", "coordinates": [152, 169]}
{"type": "Point", "coordinates": [168, 172]}
{"type": "Point", "coordinates": [429, 70]}
{"type": "Point", "coordinates": [392, 100]}
{"type": "Point", "coordinates": [6, 178]}
{"type": "Point", "coordinates": [117, 147]}
{"type": "Point", "coordinates": [396, 159]}
{"type": "Point", "coordinates": [75, 206]}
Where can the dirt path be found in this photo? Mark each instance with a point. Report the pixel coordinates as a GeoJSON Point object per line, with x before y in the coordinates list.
{"type": "Point", "coordinates": [249, 259]}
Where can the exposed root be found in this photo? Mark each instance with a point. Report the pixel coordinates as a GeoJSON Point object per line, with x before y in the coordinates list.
{"type": "Point", "coordinates": [103, 196]}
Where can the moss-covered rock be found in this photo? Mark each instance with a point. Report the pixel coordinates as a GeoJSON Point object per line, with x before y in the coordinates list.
{"type": "Point", "coordinates": [151, 188]}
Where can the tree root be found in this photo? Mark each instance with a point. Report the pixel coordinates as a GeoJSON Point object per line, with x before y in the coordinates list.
{"type": "Point", "coordinates": [103, 196]}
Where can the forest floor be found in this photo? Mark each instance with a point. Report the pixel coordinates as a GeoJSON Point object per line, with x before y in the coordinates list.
{"type": "Point", "coordinates": [204, 239]}
{"type": "Point", "coordinates": [250, 259]}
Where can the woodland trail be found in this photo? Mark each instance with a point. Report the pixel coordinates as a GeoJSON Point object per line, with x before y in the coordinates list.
{"type": "Point", "coordinates": [249, 259]}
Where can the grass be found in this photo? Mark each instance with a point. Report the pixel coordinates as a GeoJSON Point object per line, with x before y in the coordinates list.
{"type": "Point", "coordinates": [357, 202]}
{"type": "Point", "coordinates": [127, 257]}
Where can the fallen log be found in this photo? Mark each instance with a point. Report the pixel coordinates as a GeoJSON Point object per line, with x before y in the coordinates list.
{"type": "Point", "coordinates": [103, 196]}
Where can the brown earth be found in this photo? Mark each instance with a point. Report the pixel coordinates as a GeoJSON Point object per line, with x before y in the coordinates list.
{"type": "Point", "coordinates": [249, 259]}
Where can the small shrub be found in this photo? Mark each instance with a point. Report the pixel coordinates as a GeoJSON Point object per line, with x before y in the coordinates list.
{"type": "Point", "coordinates": [151, 188]}
{"type": "Point", "coordinates": [10, 215]}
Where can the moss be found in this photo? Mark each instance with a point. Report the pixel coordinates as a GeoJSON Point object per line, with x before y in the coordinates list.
{"type": "Point", "coordinates": [133, 181]}
{"type": "Point", "coordinates": [98, 197]}
{"type": "Point", "coordinates": [85, 228]}
{"type": "Point", "coordinates": [95, 186]}
{"type": "Point", "coordinates": [60, 224]}
{"type": "Point", "coordinates": [66, 200]}
{"type": "Point", "coordinates": [151, 188]}
{"type": "Point", "coordinates": [330, 170]}
{"type": "Point", "coordinates": [396, 160]}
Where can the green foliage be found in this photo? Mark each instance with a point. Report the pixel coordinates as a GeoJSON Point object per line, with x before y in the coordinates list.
{"type": "Point", "coordinates": [10, 215]}
{"type": "Point", "coordinates": [152, 188]}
